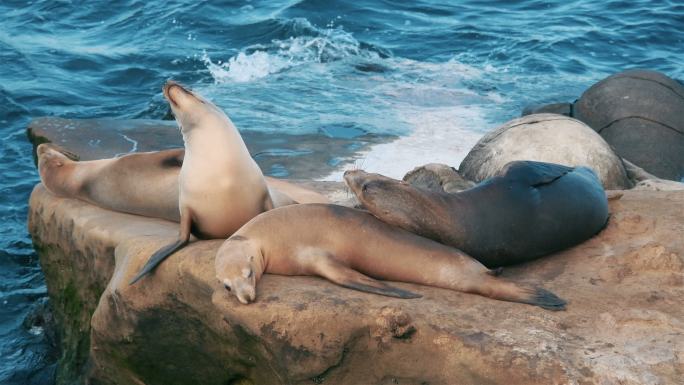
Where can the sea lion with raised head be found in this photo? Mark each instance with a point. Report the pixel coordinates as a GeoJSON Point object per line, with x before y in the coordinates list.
{"type": "Point", "coordinates": [532, 209]}
{"type": "Point", "coordinates": [220, 185]}
{"type": "Point", "coordinates": [348, 247]}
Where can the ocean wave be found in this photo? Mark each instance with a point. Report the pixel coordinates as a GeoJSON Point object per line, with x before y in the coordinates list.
{"type": "Point", "coordinates": [313, 45]}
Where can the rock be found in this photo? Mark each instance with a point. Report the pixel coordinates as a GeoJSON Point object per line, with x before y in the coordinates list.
{"type": "Point", "coordinates": [641, 115]}
{"type": "Point", "coordinates": [624, 323]}
{"type": "Point", "coordinates": [546, 138]}
{"type": "Point", "coordinates": [553, 108]}
{"type": "Point", "coordinates": [306, 156]}
{"type": "Point", "coordinates": [40, 320]}
{"type": "Point", "coordinates": [644, 180]}
{"type": "Point", "coordinates": [437, 177]}
{"type": "Point", "coordinates": [659, 185]}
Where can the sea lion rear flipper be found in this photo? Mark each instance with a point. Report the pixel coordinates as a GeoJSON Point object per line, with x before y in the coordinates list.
{"type": "Point", "coordinates": [535, 173]}
{"type": "Point", "coordinates": [160, 255]}
{"type": "Point", "coordinates": [350, 278]}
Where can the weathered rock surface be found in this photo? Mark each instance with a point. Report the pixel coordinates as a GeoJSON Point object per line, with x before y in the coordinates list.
{"type": "Point", "coordinates": [641, 114]}
{"type": "Point", "coordinates": [624, 323]}
{"type": "Point", "coordinates": [644, 180]}
{"type": "Point", "coordinates": [546, 138]}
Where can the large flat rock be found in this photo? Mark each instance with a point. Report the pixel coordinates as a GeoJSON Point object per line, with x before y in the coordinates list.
{"type": "Point", "coordinates": [624, 323]}
{"type": "Point", "coordinates": [278, 155]}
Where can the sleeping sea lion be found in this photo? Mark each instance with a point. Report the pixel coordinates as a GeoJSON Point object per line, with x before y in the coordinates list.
{"type": "Point", "coordinates": [530, 210]}
{"type": "Point", "coordinates": [348, 247]}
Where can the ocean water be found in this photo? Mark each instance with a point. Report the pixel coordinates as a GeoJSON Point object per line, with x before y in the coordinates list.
{"type": "Point", "coordinates": [436, 73]}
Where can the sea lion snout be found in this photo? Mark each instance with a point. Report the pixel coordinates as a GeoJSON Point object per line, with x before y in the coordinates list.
{"type": "Point", "coordinates": [244, 290]}
{"type": "Point", "coordinates": [352, 177]}
{"type": "Point", "coordinates": [176, 94]}
{"type": "Point", "coordinates": [358, 180]}
{"type": "Point", "coordinates": [246, 295]}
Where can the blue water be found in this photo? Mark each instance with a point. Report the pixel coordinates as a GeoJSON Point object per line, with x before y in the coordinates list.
{"type": "Point", "coordinates": [437, 73]}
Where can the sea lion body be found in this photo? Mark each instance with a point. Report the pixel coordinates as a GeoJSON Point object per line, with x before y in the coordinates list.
{"type": "Point", "coordinates": [348, 247]}
{"type": "Point", "coordinates": [531, 210]}
{"type": "Point", "coordinates": [114, 183]}
{"type": "Point", "coordinates": [142, 183]}
{"type": "Point", "coordinates": [217, 169]}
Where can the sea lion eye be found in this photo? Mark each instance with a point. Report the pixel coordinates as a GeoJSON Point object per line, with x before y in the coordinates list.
{"type": "Point", "coordinates": [251, 272]}
{"type": "Point", "coordinates": [226, 284]}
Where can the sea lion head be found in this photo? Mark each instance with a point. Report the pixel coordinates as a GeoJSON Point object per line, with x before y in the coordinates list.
{"type": "Point", "coordinates": [53, 159]}
{"type": "Point", "coordinates": [239, 267]}
{"type": "Point", "coordinates": [189, 108]}
{"type": "Point", "coordinates": [392, 201]}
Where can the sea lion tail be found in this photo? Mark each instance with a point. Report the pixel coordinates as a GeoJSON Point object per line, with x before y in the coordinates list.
{"type": "Point", "coordinates": [157, 258]}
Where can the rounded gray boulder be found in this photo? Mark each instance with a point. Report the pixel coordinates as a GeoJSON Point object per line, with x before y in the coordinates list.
{"type": "Point", "coordinates": [641, 115]}
{"type": "Point", "coordinates": [546, 138]}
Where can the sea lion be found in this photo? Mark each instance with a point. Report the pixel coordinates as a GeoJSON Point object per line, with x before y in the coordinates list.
{"type": "Point", "coordinates": [348, 247]}
{"type": "Point", "coordinates": [640, 114]}
{"type": "Point", "coordinates": [142, 183]}
{"type": "Point", "coordinates": [220, 185]}
{"type": "Point", "coordinates": [114, 183]}
{"type": "Point", "coordinates": [531, 210]}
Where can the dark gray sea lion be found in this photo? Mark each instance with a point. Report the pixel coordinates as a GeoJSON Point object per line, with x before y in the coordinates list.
{"type": "Point", "coordinates": [531, 210]}
{"type": "Point", "coordinates": [641, 115]}
{"type": "Point", "coordinates": [348, 247]}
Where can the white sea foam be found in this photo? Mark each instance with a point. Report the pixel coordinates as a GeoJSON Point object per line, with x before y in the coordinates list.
{"type": "Point", "coordinates": [433, 106]}
{"type": "Point", "coordinates": [259, 61]}
{"type": "Point", "coordinates": [439, 135]}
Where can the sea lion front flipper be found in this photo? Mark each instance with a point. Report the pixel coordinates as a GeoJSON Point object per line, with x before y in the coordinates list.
{"type": "Point", "coordinates": [352, 279]}
{"type": "Point", "coordinates": [160, 255]}
{"type": "Point", "coordinates": [535, 173]}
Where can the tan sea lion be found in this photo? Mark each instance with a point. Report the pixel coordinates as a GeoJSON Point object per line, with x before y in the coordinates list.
{"type": "Point", "coordinates": [532, 209]}
{"type": "Point", "coordinates": [221, 186]}
{"type": "Point", "coordinates": [348, 247]}
{"type": "Point", "coordinates": [114, 183]}
{"type": "Point", "coordinates": [143, 183]}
